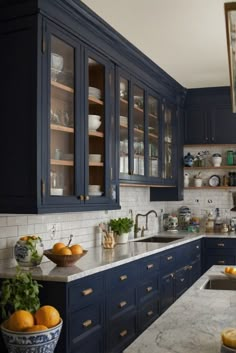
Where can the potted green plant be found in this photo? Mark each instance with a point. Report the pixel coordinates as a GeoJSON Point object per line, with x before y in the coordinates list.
{"type": "Point", "coordinates": [121, 227]}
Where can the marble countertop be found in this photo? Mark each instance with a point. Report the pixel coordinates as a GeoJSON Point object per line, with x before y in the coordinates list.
{"type": "Point", "coordinates": [98, 259]}
{"type": "Point", "coordinates": [193, 323]}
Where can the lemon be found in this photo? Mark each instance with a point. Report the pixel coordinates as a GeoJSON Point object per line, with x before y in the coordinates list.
{"type": "Point", "coordinates": [228, 336]}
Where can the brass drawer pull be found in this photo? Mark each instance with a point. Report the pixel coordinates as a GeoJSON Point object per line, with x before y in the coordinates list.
{"type": "Point", "coordinates": [86, 197]}
{"type": "Point", "coordinates": [123, 277]}
{"type": "Point", "coordinates": [172, 275]}
{"type": "Point", "coordinates": [87, 323]}
{"type": "Point", "coordinates": [150, 313]}
{"type": "Point", "coordinates": [197, 246]}
{"type": "Point", "coordinates": [221, 262]}
{"type": "Point", "coordinates": [122, 304]}
{"type": "Point", "coordinates": [149, 289]}
{"type": "Point", "coordinates": [190, 267]}
{"type": "Point", "coordinates": [221, 244]}
{"type": "Point", "coordinates": [87, 291]}
{"type": "Point", "coordinates": [81, 197]}
{"type": "Point", "coordinates": [181, 279]}
{"type": "Point", "coordinates": [149, 266]}
{"type": "Point", "coordinates": [123, 333]}
{"type": "Point", "coordinates": [169, 258]}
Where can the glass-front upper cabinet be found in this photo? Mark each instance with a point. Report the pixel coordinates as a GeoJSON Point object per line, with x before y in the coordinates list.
{"type": "Point", "coordinates": [62, 114]}
{"type": "Point", "coordinates": [168, 142]}
{"type": "Point", "coordinates": [81, 127]}
{"type": "Point", "coordinates": [139, 133]}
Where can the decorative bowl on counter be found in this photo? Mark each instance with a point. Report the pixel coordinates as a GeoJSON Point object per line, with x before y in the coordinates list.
{"type": "Point", "coordinates": [28, 251]}
{"type": "Point", "coordinates": [31, 342]}
{"type": "Point", "coordinates": [63, 260]}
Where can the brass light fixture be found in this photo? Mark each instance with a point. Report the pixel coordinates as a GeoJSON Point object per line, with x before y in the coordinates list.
{"type": "Point", "coordinates": [230, 19]}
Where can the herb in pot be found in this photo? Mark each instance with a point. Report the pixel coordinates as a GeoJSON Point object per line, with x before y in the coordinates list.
{"type": "Point", "coordinates": [19, 293]}
{"type": "Point", "coordinates": [121, 225]}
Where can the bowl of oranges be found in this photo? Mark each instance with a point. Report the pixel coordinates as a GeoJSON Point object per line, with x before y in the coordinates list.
{"type": "Point", "coordinates": [230, 272]}
{"type": "Point", "coordinates": [65, 255]}
{"type": "Point", "coordinates": [35, 332]}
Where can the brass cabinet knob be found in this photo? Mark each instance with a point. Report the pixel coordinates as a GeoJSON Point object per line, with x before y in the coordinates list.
{"type": "Point", "coordinates": [87, 323]}
{"type": "Point", "coordinates": [149, 266]}
{"type": "Point", "coordinates": [123, 333]}
{"type": "Point", "coordinates": [81, 197]}
{"type": "Point", "coordinates": [86, 197]}
{"type": "Point", "coordinates": [122, 304]}
{"type": "Point", "coordinates": [123, 277]}
{"type": "Point", "coordinates": [169, 258]}
{"type": "Point", "coordinates": [149, 289]}
{"type": "Point", "coordinates": [87, 291]}
{"type": "Point", "coordinates": [150, 313]}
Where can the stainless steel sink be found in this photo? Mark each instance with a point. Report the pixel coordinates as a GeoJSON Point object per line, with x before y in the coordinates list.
{"type": "Point", "coordinates": [156, 239]}
{"type": "Point", "coordinates": [220, 283]}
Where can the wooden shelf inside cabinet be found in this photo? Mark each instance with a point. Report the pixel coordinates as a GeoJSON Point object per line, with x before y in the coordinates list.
{"type": "Point", "coordinates": [62, 128]}
{"type": "Point", "coordinates": [138, 131]}
{"type": "Point", "coordinates": [125, 126]}
{"type": "Point", "coordinates": [96, 134]}
{"type": "Point", "coordinates": [206, 168]}
{"type": "Point", "coordinates": [96, 164]}
{"type": "Point", "coordinates": [153, 116]}
{"type": "Point", "coordinates": [210, 187]}
{"type": "Point", "coordinates": [62, 87]}
{"type": "Point", "coordinates": [93, 100]}
{"type": "Point", "coordinates": [62, 162]}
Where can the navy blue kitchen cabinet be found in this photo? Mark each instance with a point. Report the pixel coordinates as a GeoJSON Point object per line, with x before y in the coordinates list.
{"type": "Point", "coordinates": [105, 312]}
{"type": "Point", "coordinates": [62, 120]}
{"type": "Point", "coordinates": [61, 64]}
{"type": "Point", "coordinates": [148, 291]}
{"type": "Point", "coordinates": [219, 251]}
{"type": "Point", "coordinates": [180, 268]}
{"type": "Point", "coordinates": [208, 116]}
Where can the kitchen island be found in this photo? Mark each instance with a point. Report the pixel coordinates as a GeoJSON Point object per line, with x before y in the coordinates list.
{"type": "Point", "coordinates": [193, 324]}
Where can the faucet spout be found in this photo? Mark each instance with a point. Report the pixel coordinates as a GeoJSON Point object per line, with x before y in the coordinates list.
{"type": "Point", "coordinates": [137, 228]}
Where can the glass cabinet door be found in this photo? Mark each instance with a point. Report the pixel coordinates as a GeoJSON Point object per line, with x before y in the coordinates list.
{"type": "Point", "coordinates": [62, 136]}
{"type": "Point", "coordinates": [96, 128]}
{"type": "Point", "coordinates": [153, 136]}
{"type": "Point", "coordinates": [138, 131]}
{"type": "Point", "coordinates": [167, 172]}
{"type": "Point", "coordinates": [124, 125]}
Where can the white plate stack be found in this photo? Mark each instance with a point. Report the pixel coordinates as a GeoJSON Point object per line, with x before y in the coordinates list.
{"type": "Point", "coordinates": [94, 92]}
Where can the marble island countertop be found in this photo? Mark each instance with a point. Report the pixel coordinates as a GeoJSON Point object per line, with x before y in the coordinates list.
{"type": "Point", "coordinates": [193, 324]}
{"type": "Point", "coordinates": [98, 259]}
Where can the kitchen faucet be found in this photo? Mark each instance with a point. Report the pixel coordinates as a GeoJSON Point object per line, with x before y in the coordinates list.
{"type": "Point", "coordinates": [136, 227]}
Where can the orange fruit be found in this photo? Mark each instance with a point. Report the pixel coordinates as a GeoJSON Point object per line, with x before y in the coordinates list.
{"type": "Point", "coordinates": [36, 328]}
{"type": "Point", "coordinates": [57, 247]}
{"type": "Point", "coordinates": [20, 320]}
{"type": "Point", "coordinates": [232, 271]}
{"type": "Point", "coordinates": [76, 249]}
{"type": "Point", "coordinates": [47, 315]}
{"type": "Point", "coordinates": [227, 269]}
{"type": "Point", "coordinates": [64, 251]}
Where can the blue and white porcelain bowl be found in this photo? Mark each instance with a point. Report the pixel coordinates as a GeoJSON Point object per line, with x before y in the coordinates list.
{"type": "Point", "coordinates": [32, 342]}
{"type": "Point", "coordinates": [28, 251]}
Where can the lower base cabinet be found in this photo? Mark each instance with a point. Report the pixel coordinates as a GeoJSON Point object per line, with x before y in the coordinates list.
{"type": "Point", "coordinates": [219, 251]}
{"type": "Point", "coordinates": [105, 312]}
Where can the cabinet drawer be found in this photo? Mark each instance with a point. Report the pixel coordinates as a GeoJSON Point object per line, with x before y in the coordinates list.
{"type": "Point", "coordinates": [147, 289]}
{"type": "Point", "coordinates": [181, 281]}
{"type": "Point", "coordinates": [121, 332]}
{"type": "Point", "coordinates": [195, 250]}
{"type": "Point", "coordinates": [85, 292]}
{"type": "Point", "coordinates": [219, 260]}
{"type": "Point", "coordinates": [149, 312]}
{"type": "Point", "coordinates": [84, 321]}
{"type": "Point", "coordinates": [121, 302]}
{"type": "Point", "coordinates": [148, 266]}
{"type": "Point", "coordinates": [122, 276]}
{"type": "Point", "coordinates": [220, 243]}
{"type": "Point", "coordinates": [92, 343]}
{"type": "Point", "coordinates": [167, 261]}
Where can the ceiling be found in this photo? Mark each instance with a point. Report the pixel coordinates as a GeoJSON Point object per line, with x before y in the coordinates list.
{"type": "Point", "coordinates": [186, 38]}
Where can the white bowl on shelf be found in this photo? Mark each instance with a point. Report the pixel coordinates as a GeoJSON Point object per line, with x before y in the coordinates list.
{"type": "Point", "coordinates": [56, 191]}
{"type": "Point", "coordinates": [95, 158]}
{"type": "Point", "coordinates": [56, 61]}
{"type": "Point", "coordinates": [94, 122]}
{"type": "Point", "coordinates": [94, 188]}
